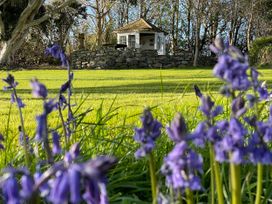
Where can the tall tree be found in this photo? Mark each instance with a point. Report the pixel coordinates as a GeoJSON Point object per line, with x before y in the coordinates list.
{"type": "Point", "coordinates": [100, 10]}
{"type": "Point", "coordinates": [16, 18]}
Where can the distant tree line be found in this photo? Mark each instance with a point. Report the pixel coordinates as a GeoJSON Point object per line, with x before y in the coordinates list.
{"type": "Point", "coordinates": [191, 24]}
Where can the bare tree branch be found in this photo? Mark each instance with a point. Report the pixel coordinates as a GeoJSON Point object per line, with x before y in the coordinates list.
{"type": "Point", "coordinates": [47, 15]}
{"type": "Point", "coordinates": [2, 2]}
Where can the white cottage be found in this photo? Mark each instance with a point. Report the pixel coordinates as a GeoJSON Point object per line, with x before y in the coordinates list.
{"type": "Point", "coordinates": [142, 34]}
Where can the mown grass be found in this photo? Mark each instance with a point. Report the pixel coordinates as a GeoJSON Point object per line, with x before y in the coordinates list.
{"type": "Point", "coordinates": [116, 99]}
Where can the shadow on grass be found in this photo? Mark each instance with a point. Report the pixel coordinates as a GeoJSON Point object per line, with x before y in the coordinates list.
{"type": "Point", "coordinates": [142, 88]}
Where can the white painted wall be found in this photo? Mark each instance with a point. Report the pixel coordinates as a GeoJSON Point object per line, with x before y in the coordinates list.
{"type": "Point", "coordinates": [146, 41]}
{"type": "Point", "coordinates": [160, 48]}
{"type": "Point", "coordinates": [137, 38]}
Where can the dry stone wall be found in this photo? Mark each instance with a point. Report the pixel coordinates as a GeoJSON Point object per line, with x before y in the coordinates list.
{"type": "Point", "coordinates": [110, 58]}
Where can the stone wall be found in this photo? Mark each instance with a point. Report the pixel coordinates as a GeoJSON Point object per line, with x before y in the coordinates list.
{"type": "Point", "coordinates": [109, 58]}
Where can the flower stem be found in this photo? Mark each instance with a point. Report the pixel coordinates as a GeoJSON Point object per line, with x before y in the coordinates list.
{"type": "Point", "coordinates": [64, 128]}
{"type": "Point", "coordinates": [153, 178]}
{"type": "Point", "coordinates": [25, 146]}
{"type": "Point", "coordinates": [235, 184]}
{"type": "Point", "coordinates": [259, 183]}
{"type": "Point", "coordinates": [189, 196]}
{"type": "Point", "coordinates": [212, 191]}
{"type": "Point", "coordinates": [215, 172]}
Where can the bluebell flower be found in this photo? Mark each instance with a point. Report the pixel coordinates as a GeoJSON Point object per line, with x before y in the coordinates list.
{"type": "Point", "coordinates": [74, 176]}
{"type": "Point", "coordinates": [60, 190]}
{"type": "Point", "coordinates": [41, 127]}
{"type": "Point", "coordinates": [238, 107]}
{"type": "Point", "coordinates": [62, 101]}
{"type": "Point", "coordinates": [233, 72]}
{"type": "Point", "coordinates": [75, 150]}
{"type": "Point", "coordinates": [252, 100]}
{"type": "Point", "coordinates": [177, 130]}
{"type": "Point", "coordinates": [21, 137]}
{"type": "Point", "coordinates": [57, 52]}
{"type": "Point", "coordinates": [218, 46]}
{"type": "Point", "coordinates": [17, 100]}
{"type": "Point", "coordinates": [56, 143]}
{"type": "Point", "coordinates": [27, 184]}
{"type": "Point", "coordinates": [65, 86]}
{"type": "Point", "coordinates": [263, 92]}
{"type": "Point", "coordinates": [150, 131]}
{"type": "Point", "coordinates": [49, 106]}
{"type": "Point", "coordinates": [10, 81]}
{"type": "Point", "coordinates": [199, 135]}
{"type": "Point", "coordinates": [197, 91]}
{"type": "Point", "coordinates": [44, 188]}
{"type": "Point", "coordinates": [181, 166]}
{"type": "Point", "coordinates": [208, 108]}
{"type": "Point", "coordinates": [39, 90]}
{"type": "Point", "coordinates": [232, 66]}
{"type": "Point", "coordinates": [10, 190]}
{"type": "Point", "coordinates": [254, 76]}
{"type": "Point", "coordinates": [231, 147]}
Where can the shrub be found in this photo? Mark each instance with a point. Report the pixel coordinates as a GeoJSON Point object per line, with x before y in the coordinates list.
{"type": "Point", "coordinates": [260, 49]}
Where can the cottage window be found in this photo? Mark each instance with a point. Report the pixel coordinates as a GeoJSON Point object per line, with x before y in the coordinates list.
{"type": "Point", "coordinates": [123, 40]}
{"type": "Point", "coordinates": [131, 41]}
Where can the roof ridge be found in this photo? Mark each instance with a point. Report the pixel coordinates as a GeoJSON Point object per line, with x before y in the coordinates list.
{"type": "Point", "coordinates": [146, 22]}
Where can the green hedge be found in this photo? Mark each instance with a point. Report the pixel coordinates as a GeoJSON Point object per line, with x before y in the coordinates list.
{"type": "Point", "coordinates": [260, 46]}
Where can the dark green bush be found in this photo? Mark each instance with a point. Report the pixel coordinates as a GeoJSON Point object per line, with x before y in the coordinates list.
{"type": "Point", "coordinates": [259, 48]}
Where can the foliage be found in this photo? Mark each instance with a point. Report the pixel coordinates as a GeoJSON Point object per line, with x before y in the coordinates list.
{"type": "Point", "coordinates": [227, 132]}
{"type": "Point", "coordinates": [258, 49]}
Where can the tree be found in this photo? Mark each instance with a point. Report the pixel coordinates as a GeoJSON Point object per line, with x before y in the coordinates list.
{"type": "Point", "coordinates": [57, 29]}
{"type": "Point", "coordinates": [16, 18]}
{"type": "Point", "coordinates": [100, 9]}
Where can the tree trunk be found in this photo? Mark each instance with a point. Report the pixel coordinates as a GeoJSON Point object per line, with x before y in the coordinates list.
{"type": "Point", "coordinates": [9, 49]}
{"type": "Point", "coordinates": [249, 27]}
{"type": "Point", "coordinates": [197, 33]}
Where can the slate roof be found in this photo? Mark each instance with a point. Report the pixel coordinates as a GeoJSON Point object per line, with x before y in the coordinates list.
{"type": "Point", "coordinates": [140, 25]}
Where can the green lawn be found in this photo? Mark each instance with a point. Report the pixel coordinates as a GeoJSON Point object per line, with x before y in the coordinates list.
{"type": "Point", "coordinates": [130, 91]}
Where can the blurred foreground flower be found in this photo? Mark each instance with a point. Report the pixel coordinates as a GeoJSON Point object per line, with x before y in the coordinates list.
{"type": "Point", "coordinates": [147, 134]}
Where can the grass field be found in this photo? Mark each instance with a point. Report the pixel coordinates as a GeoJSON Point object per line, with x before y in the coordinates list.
{"type": "Point", "coordinates": [117, 99]}
{"type": "Point", "coordinates": [129, 90]}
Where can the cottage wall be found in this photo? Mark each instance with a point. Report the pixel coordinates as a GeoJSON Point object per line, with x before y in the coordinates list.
{"type": "Point", "coordinates": [109, 58]}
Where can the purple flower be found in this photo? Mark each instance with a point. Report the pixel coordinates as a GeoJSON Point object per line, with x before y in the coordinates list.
{"type": "Point", "coordinates": [17, 100]}
{"type": "Point", "coordinates": [27, 183]}
{"type": "Point", "coordinates": [56, 143]}
{"type": "Point", "coordinates": [150, 131]}
{"type": "Point", "coordinates": [197, 91]}
{"type": "Point", "coordinates": [65, 86]}
{"type": "Point", "coordinates": [38, 89]}
{"type": "Point", "coordinates": [231, 147]}
{"type": "Point", "coordinates": [238, 107]}
{"type": "Point", "coordinates": [263, 92]}
{"type": "Point", "coordinates": [233, 71]}
{"type": "Point", "coordinates": [177, 131]}
{"type": "Point", "coordinates": [199, 135]}
{"type": "Point", "coordinates": [57, 52]}
{"type": "Point", "coordinates": [207, 107]}
{"type": "Point", "coordinates": [219, 46]}
{"type": "Point", "coordinates": [10, 81]}
{"type": "Point", "coordinates": [49, 106]}
{"type": "Point", "coordinates": [181, 166]}
{"type": "Point", "coordinates": [41, 127]}
{"type": "Point", "coordinates": [11, 190]}
{"type": "Point", "coordinates": [60, 190]}
{"type": "Point", "coordinates": [75, 184]}
{"type": "Point", "coordinates": [21, 137]}
{"type": "Point", "coordinates": [44, 187]}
